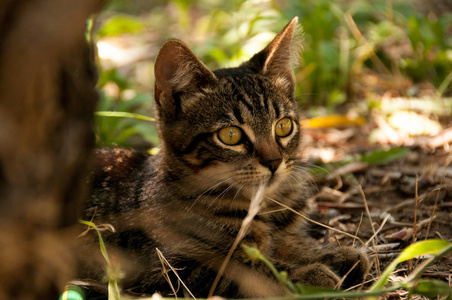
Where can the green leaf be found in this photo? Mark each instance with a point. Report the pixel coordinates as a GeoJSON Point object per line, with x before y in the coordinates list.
{"type": "Point", "coordinates": [113, 75]}
{"type": "Point", "coordinates": [431, 288]}
{"type": "Point", "coordinates": [384, 156]}
{"type": "Point", "coordinates": [120, 24]}
{"type": "Point", "coordinates": [429, 247]}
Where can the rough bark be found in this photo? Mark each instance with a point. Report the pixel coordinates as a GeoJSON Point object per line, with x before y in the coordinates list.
{"type": "Point", "coordinates": [47, 101]}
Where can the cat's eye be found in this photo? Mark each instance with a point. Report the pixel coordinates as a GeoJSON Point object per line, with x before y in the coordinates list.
{"type": "Point", "coordinates": [230, 135]}
{"type": "Point", "coordinates": [283, 127]}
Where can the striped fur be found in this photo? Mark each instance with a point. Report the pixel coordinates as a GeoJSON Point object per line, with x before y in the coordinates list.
{"type": "Point", "coordinates": [189, 200]}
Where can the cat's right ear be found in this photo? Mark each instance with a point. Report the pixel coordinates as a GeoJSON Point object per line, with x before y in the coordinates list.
{"type": "Point", "coordinates": [178, 72]}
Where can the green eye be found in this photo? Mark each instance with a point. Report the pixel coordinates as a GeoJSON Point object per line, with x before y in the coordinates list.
{"type": "Point", "coordinates": [230, 135]}
{"type": "Point", "coordinates": [283, 127]}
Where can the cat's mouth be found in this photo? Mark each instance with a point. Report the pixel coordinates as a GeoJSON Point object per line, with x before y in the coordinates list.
{"type": "Point", "coordinates": [266, 180]}
{"type": "Point", "coordinates": [245, 180]}
{"type": "Point", "coordinates": [271, 182]}
{"type": "Point", "coordinates": [251, 177]}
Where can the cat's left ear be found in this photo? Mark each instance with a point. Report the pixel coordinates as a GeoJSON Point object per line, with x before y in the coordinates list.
{"type": "Point", "coordinates": [276, 60]}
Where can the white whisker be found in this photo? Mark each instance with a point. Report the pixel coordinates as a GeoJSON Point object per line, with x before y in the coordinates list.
{"type": "Point", "coordinates": [207, 192]}
{"type": "Point", "coordinates": [238, 191]}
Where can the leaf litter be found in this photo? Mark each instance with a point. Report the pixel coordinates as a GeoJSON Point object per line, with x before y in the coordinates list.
{"type": "Point", "coordinates": [407, 190]}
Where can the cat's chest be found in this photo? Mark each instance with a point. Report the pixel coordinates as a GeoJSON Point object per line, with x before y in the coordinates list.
{"type": "Point", "coordinates": [219, 226]}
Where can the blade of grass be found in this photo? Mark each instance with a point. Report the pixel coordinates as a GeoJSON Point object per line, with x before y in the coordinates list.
{"type": "Point", "coordinates": [113, 290]}
{"type": "Point", "coordinates": [164, 262]}
{"type": "Point", "coordinates": [254, 254]}
{"type": "Point", "coordinates": [122, 114]}
{"type": "Point", "coordinates": [300, 291]}
{"type": "Point", "coordinates": [433, 215]}
{"type": "Point", "coordinates": [444, 84]}
{"type": "Point", "coordinates": [416, 204]}
{"type": "Point", "coordinates": [103, 249]}
{"type": "Point", "coordinates": [254, 208]}
{"type": "Point", "coordinates": [315, 222]}
{"type": "Point", "coordinates": [366, 206]}
{"type": "Point", "coordinates": [362, 41]}
{"type": "Point", "coordinates": [317, 295]}
{"type": "Point", "coordinates": [113, 273]}
{"type": "Point", "coordinates": [379, 229]}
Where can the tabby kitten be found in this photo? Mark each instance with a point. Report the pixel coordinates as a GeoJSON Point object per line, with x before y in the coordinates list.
{"type": "Point", "coordinates": [224, 134]}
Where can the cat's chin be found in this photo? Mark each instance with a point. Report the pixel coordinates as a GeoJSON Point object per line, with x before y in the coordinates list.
{"type": "Point", "coordinates": [271, 183]}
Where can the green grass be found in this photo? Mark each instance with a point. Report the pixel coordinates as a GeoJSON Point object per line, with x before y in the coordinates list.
{"type": "Point", "coordinates": [431, 250]}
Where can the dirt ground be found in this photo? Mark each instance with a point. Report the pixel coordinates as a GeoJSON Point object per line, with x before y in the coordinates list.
{"type": "Point", "coordinates": [409, 199]}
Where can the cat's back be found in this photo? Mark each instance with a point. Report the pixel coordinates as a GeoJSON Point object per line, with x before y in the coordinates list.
{"type": "Point", "coordinates": [117, 180]}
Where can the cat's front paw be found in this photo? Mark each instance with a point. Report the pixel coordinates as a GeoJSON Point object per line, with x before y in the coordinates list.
{"type": "Point", "coordinates": [346, 261]}
{"type": "Point", "coordinates": [316, 274]}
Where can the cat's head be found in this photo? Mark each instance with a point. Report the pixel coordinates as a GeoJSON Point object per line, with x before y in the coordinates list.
{"type": "Point", "coordinates": [231, 128]}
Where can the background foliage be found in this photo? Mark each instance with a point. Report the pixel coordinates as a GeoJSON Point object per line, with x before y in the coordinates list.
{"type": "Point", "coordinates": [355, 51]}
{"type": "Point", "coordinates": [367, 63]}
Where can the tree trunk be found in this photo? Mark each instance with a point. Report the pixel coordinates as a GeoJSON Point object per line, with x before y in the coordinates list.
{"type": "Point", "coordinates": [47, 101]}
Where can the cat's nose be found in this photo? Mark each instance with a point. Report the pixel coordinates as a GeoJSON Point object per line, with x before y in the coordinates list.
{"type": "Point", "coordinates": [272, 165]}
